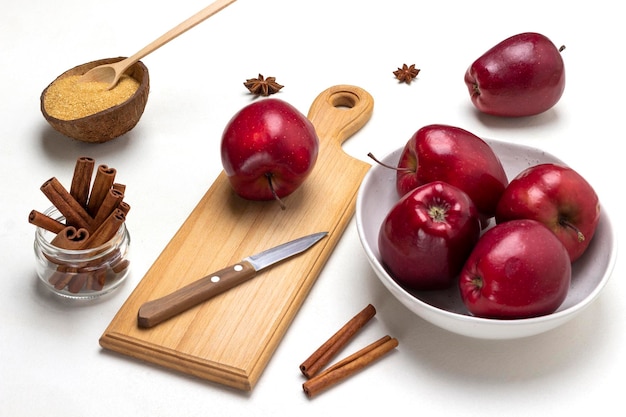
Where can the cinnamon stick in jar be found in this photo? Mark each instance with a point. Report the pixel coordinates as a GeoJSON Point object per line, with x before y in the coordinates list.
{"type": "Point", "coordinates": [70, 238]}
{"type": "Point", "coordinates": [81, 181]}
{"type": "Point", "coordinates": [107, 229]}
{"type": "Point", "coordinates": [62, 278]}
{"type": "Point", "coordinates": [102, 183]}
{"type": "Point", "coordinates": [124, 206]}
{"type": "Point", "coordinates": [73, 212]}
{"type": "Point", "coordinates": [322, 356]}
{"type": "Point", "coordinates": [111, 201]}
{"type": "Point", "coordinates": [96, 281]}
{"type": "Point", "coordinates": [45, 222]}
{"type": "Point", "coordinates": [119, 187]}
{"type": "Point", "coordinates": [78, 282]}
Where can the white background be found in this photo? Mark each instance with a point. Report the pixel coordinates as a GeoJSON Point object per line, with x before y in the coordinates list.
{"type": "Point", "coordinates": [50, 360]}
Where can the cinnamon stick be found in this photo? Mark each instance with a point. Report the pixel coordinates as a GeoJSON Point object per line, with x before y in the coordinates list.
{"type": "Point", "coordinates": [119, 187]}
{"type": "Point", "coordinates": [329, 349]}
{"type": "Point", "coordinates": [58, 195]}
{"type": "Point", "coordinates": [70, 238]}
{"type": "Point", "coordinates": [56, 276]}
{"type": "Point", "coordinates": [102, 183]}
{"type": "Point", "coordinates": [110, 202]}
{"type": "Point", "coordinates": [78, 282]}
{"type": "Point", "coordinates": [45, 222]}
{"type": "Point", "coordinates": [96, 281]}
{"type": "Point", "coordinates": [349, 366]}
{"type": "Point", "coordinates": [62, 278]}
{"type": "Point", "coordinates": [107, 229]}
{"type": "Point", "coordinates": [120, 265]}
{"type": "Point", "coordinates": [124, 206]}
{"type": "Point", "coordinates": [81, 181]}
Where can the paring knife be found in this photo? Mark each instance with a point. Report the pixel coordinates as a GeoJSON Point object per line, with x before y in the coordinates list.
{"type": "Point", "coordinates": [156, 311]}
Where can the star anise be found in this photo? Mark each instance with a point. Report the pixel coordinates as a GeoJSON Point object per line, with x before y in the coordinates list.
{"type": "Point", "coordinates": [406, 74]}
{"type": "Point", "coordinates": [262, 86]}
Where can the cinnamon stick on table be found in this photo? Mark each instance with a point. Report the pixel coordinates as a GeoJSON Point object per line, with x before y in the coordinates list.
{"type": "Point", "coordinates": [322, 356]}
{"type": "Point", "coordinates": [349, 366]}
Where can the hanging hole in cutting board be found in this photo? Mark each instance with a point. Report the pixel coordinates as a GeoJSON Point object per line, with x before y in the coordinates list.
{"type": "Point", "coordinates": [343, 100]}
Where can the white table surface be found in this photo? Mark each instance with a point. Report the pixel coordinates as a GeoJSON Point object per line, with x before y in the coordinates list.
{"type": "Point", "coordinates": [51, 363]}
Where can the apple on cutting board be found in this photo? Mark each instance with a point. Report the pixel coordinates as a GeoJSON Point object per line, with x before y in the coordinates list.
{"type": "Point", "coordinates": [268, 149]}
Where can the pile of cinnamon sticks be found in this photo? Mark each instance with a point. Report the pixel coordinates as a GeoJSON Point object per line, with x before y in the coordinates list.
{"type": "Point", "coordinates": [93, 215]}
{"type": "Point", "coordinates": [319, 381]}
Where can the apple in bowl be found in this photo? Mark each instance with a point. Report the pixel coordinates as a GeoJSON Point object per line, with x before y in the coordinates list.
{"type": "Point", "coordinates": [557, 196]}
{"type": "Point", "coordinates": [428, 234]}
{"type": "Point", "coordinates": [518, 269]}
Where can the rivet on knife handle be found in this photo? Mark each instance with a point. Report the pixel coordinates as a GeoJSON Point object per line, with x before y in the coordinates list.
{"type": "Point", "coordinates": [156, 311]}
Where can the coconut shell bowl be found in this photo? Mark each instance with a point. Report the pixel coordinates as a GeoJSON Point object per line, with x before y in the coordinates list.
{"type": "Point", "coordinates": [106, 124]}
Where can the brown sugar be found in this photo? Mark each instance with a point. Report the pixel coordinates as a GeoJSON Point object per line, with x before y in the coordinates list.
{"type": "Point", "coordinates": [68, 98]}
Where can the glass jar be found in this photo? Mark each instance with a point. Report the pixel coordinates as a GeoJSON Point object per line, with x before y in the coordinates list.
{"type": "Point", "coordinates": [82, 273]}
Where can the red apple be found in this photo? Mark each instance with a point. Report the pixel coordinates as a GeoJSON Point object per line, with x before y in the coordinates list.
{"type": "Point", "coordinates": [428, 234]}
{"type": "Point", "coordinates": [558, 197]}
{"type": "Point", "coordinates": [518, 269]}
{"type": "Point", "coordinates": [458, 157]}
{"type": "Point", "coordinates": [523, 75]}
{"type": "Point", "coordinates": [268, 149]}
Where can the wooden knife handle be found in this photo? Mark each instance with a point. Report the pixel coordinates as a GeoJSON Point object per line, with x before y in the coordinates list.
{"type": "Point", "coordinates": [156, 311]}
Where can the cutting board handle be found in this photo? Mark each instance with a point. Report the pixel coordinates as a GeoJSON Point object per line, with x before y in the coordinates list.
{"type": "Point", "coordinates": [340, 111]}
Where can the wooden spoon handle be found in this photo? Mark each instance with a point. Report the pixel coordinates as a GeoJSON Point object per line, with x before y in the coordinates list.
{"type": "Point", "coordinates": [181, 28]}
{"type": "Point", "coordinates": [156, 311]}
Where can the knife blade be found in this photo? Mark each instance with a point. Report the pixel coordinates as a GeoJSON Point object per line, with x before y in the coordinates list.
{"type": "Point", "coordinates": [156, 311]}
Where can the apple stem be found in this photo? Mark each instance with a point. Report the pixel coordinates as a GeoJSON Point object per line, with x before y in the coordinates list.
{"type": "Point", "coordinates": [478, 283]}
{"type": "Point", "coordinates": [562, 48]}
{"type": "Point", "coordinates": [565, 223]}
{"type": "Point", "coordinates": [437, 213]}
{"type": "Point", "coordinates": [371, 155]}
{"type": "Point", "coordinates": [276, 197]}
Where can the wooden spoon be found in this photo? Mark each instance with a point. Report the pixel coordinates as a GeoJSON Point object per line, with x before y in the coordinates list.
{"type": "Point", "coordinates": [111, 73]}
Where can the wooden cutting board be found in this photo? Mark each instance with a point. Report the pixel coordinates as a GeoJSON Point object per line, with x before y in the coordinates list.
{"type": "Point", "coordinates": [230, 338]}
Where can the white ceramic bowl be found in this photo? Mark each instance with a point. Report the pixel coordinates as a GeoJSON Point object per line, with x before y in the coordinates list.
{"type": "Point", "coordinates": [445, 309]}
